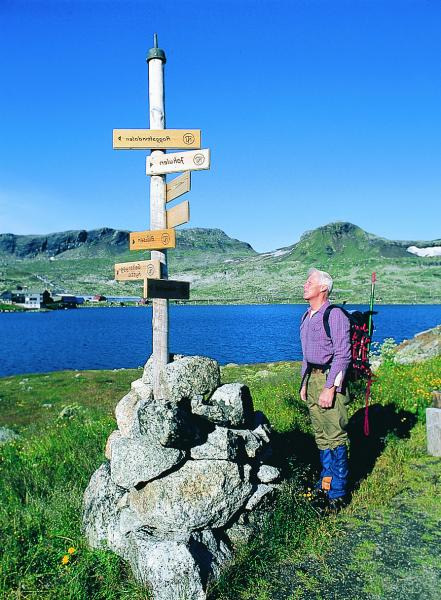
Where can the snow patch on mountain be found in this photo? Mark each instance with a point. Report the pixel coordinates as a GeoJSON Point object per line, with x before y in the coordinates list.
{"type": "Point", "coordinates": [431, 251]}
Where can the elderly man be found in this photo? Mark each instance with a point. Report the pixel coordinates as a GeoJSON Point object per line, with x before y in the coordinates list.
{"type": "Point", "coordinates": [325, 362]}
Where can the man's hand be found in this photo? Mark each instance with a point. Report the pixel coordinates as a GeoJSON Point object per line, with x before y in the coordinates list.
{"type": "Point", "coordinates": [303, 393]}
{"type": "Point", "coordinates": [326, 398]}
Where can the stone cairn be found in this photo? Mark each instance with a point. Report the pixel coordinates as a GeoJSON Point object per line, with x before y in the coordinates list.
{"type": "Point", "coordinates": [185, 481]}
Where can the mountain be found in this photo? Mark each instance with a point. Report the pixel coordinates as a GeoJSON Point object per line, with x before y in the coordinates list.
{"type": "Point", "coordinates": [225, 269]}
{"type": "Point", "coordinates": [345, 240]}
{"type": "Point", "coordinates": [109, 242]}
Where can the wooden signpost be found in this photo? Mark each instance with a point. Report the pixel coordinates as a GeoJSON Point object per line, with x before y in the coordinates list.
{"type": "Point", "coordinates": [141, 269]}
{"type": "Point", "coordinates": [194, 160]}
{"type": "Point", "coordinates": [166, 288]}
{"type": "Point", "coordinates": [161, 235]}
{"type": "Point", "coordinates": [139, 139]}
{"type": "Point", "coordinates": [156, 239]}
{"type": "Point", "coordinates": [178, 186]}
{"type": "Point", "coordinates": [179, 214]}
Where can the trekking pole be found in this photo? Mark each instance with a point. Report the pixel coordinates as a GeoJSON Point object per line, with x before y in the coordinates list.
{"type": "Point", "coordinates": [371, 304]}
{"type": "Point", "coordinates": [369, 383]}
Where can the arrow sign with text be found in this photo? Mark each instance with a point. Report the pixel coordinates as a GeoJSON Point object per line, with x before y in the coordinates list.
{"type": "Point", "coordinates": [156, 139]}
{"type": "Point", "coordinates": [178, 215]}
{"type": "Point", "coordinates": [167, 289]}
{"type": "Point", "coordinates": [193, 160]}
{"type": "Point", "coordinates": [140, 269]}
{"type": "Point", "coordinates": [178, 186]}
{"type": "Point", "coordinates": [157, 239]}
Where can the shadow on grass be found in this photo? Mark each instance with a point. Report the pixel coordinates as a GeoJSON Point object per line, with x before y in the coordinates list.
{"type": "Point", "coordinates": [295, 450]}
{"type": "Point", "coordinates": [384, 421]}
{"type": "Point", "coordinates": [295, 453]}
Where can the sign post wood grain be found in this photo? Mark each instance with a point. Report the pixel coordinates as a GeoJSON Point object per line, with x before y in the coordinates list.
{"type": "Point", "coordinates": [166, 288]}
{"type": "Point", "coordinates": [155, 239]}
{"type": "Point", "coordinates": [178, 186]}
{"type": "Point", "coordinates": [178, 215]}
{"type": "Point", "coordinates": [159, 139]}
{"type": "Point", "coordinates": [193, 160]}
{"type": "Point", "coordinates": [131, 271]}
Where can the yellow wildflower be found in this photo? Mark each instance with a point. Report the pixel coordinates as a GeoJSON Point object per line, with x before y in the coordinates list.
{"type": "Point", "coordinates": [65, 559]}
{"type": "Point", "coordinates": [71, 550]}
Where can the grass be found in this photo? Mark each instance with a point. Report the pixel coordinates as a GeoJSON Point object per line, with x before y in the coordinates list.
{"type": "Point", "coordinates": [43, 475]}
{"type": "Point", "coordinates": [10, 308]}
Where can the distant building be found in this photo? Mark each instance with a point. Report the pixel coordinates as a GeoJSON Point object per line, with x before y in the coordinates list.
{"type": "Point", "coordinates": [68, 300]}
{"type": "Point", "coordinates": [13, 297]}
{"type": "Point", "coordinates": [26, 298]}
{"type": "Point", "coordinates": [6, 297]}
{"type": "Point", "coordinates": [33, 300]}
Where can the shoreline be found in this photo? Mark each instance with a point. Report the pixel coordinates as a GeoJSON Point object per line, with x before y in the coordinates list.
{"type": "Point", "coordinates": [22, 310]}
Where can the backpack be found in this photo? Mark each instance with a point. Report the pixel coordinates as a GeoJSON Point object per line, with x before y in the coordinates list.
{"type": "Point", "coordinates": [360, 367]}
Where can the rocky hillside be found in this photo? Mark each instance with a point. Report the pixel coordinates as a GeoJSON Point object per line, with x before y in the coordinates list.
{"type": "Point", "coordinates": [109, 242]}
{"type": "Point", "coordinates": [226, 269]}
{"type": "Point", "coordinates": [422, 346]}
{"type": "Point", "coordinates": [347, 241]}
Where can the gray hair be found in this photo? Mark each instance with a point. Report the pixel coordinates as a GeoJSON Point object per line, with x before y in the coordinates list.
{"type": "Point", "coordinates": [323, 278]}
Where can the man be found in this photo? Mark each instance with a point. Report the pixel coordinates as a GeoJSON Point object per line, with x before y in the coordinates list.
{"type": "Point", "coordinates": [324, 366]}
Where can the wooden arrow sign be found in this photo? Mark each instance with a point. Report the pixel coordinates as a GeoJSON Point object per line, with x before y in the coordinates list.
{"type": "Point", "coordinates": [167, 289]}
{"type": "Point", "coordinates": [156, 139]}
{"type": "Point", "coordinates": [178, 186]}
{"type": "Point", "coordinates": [140, 269]}
{"type": "Point", "coordinates": [193, 160]}
{"type": "Point", "coordinates": [178, 215]}
{"type": "Point", "coordinates": [157, 239]}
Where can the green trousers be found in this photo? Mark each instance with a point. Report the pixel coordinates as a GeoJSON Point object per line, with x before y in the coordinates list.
{"type": "Point", "coordinates": [328, 424]}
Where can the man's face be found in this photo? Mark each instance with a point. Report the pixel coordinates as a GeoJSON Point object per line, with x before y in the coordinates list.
{"type": "Point", "coordinates": [312, 288]}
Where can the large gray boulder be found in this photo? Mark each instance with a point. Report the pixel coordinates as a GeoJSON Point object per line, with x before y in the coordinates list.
{"type": "Point", "coordinates": [125, 412]}
{"type": "Point", "coordinates": [142, 390]}
{"type": "Point", "coordinates": [252, 442]}
{"type": "Point", "coordinates": [168, 423]}
{"type": "Point", "coordinates": [201, 494]}
{"type": "Point", "coordinates": [147, 376]}
{"type": "Point", "coordinates": [115, 435]}
{"type": "Point", "coordinates": [230, 405]}
{"type": "Point", "coordinates": [100, 510]}
{"type": "Point", "coordinates": [211, 550]}
{"type": "Point", "coordinates": [267, 473]}
{"type": "Point", "coordinates": [188, 376]}
{"type": "Point", "coordinates": [138, 460]}
{"type": "Point", "coordinates": [168, 568]}
{"type": "Point", "coordinates": [260, 493]}
{"type": "Point", "coordinates": [222, 444]}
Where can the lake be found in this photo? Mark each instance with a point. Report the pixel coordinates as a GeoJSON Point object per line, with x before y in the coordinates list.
{"type": "Point", "coordinates": [112, 338]}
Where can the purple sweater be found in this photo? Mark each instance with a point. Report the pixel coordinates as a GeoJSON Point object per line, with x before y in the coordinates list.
{"type": "Point", "coordinates": [319, 349]}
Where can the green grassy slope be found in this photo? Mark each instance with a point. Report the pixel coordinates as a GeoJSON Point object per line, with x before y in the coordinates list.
{"type": "Point", "coordinates": [225, 269]}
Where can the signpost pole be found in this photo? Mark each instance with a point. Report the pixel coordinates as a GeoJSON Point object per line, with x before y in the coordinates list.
{"type": "Point", "coordinates": [156, 60]}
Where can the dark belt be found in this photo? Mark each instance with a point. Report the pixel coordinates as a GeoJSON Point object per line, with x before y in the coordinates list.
{"type": "Point", "coordinates": [312, 368]}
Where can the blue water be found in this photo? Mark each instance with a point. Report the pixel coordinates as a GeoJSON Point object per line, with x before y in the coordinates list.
{"type": "Point", "coordinates": [109, 338]}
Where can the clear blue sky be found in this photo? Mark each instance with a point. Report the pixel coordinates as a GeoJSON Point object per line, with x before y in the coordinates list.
{"type": "Point", "coordinates": [314, 110]}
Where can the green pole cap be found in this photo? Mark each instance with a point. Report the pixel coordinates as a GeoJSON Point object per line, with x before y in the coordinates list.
{"type": "Point", "coordinates": [156, 52]}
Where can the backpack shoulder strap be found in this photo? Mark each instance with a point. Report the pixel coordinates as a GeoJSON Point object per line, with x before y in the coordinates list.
{"type": "Point", "coordinates": [326, 317]}
{"type": "Point", "coordinates": [304, 317]}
